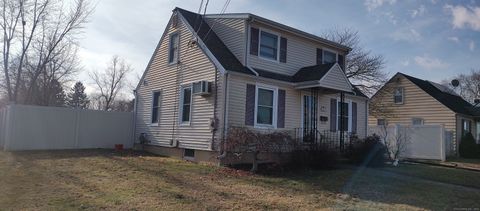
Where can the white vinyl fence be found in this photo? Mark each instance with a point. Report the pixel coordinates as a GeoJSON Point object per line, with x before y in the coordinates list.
{"type": "Point", "coordinates": [41, 128]}
{"type": "Point", "coordinates": [419, 141]}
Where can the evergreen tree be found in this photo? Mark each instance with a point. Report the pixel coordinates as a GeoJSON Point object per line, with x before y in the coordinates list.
{"type": "Point", "coordinates": [77, 97]}
{"type": "Point", "coordinates": [56, 94]}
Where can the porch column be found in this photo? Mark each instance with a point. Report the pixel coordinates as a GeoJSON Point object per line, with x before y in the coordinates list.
{"type": "Point", "coordinates": [341, 128]}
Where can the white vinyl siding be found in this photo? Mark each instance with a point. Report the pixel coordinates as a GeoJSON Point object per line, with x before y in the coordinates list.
{"type": "Point", "coordinates": [301, 52]}
{"type": "Point", "coordinates": [335, 79]}
{"type": "Point", "coordinates": [168, 78]}
{"type": "Point", "coordinates": [416, 103]}
{"type": "Point", "coordinates": [293, 105]}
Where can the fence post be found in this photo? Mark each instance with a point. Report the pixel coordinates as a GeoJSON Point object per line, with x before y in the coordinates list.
{"type": "Point", "coordinates": [77, 126]}
{"type": "Point", "coordinates": [9, 117]}
{"type": "Point", "coordinates": [442, 143]}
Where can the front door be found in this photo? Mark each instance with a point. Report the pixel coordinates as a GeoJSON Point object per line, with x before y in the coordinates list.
{"type": "Point", "coordinates": [309, 118]}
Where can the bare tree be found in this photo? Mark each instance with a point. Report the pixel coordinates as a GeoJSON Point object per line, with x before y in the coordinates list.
{"type": "Point", "coordinates": [469, 87]}
{"type": "Point", "coordinates": [35, 34]}
{"type": "Point", "coordinates": [111, 82]}
{"type": "Point", "coordinates": [364, 69]}
{"type": "Point", "coordinates": [396, 139]}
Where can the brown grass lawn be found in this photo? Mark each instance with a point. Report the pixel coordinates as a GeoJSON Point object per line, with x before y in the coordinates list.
{"type": "Point", "coordinates": [102, 179]}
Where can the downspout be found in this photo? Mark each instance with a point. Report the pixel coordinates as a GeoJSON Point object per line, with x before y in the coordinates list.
{"type": "Point", "coordinates": [367, 104]}
{"type": "Point", "coordinates": [247, 45]}
{"type": "Point", "coordinates": [134, 115]}
{"type": "Point", "coordinates": [214, 126]}
{"type": "Point", "coordinates": [225, 93]}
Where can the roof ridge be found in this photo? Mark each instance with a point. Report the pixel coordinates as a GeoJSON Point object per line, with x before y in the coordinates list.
{"type": "Point", "coordinates": [318, 38]}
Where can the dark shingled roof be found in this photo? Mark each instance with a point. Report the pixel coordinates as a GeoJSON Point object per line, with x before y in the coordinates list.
{"type": "Point", "coordinates": [231, 63]}
{"type": "Point", "coordinates": [213, 42]}
{"type": "Point", "coordinates": [312, 73]}
{"type": "Point", "coordinates": [453, 102]}
{"type": "Point", "coordinates": [358, 92]}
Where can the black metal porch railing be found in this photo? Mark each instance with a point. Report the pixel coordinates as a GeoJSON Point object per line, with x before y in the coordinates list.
{"type": "Point", "coordinates": [333, 140]}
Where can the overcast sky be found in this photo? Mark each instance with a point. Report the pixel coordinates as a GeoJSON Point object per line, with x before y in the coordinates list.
{"type": "Point", "coordinates": [430, 39]}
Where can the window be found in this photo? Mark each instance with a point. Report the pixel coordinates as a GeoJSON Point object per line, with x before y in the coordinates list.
{"type": "Point", "coordinates": [173, 49]}
{"type": "Point", "coordinates": [398, 95]}
{"type": "Point", "coordinates": [155, 107]}
{"type": "Point", "coordinates": [417, 121]}
{"type": "Point", "coordinates": [266, 106]}
{"type": "Point", "coordinates": [381, 122]}
{"type": "Point", "coordinates": [466, 126]}
{"type": "Point", "coordinates": [189, 153]}
{"type": "Point", "coordinates": [185, 105]}
{"type": "Point", "coordinates": [343, 116]}
{"type": "Point", "coordinates": [329, 57]}
{"type": "Point", "coordinates": [268, 45]}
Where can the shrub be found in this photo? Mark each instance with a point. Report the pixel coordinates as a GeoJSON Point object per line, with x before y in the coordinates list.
{"type": "Point", "coordinates": [468, 148]}
{"type": "Point", "coordinates": [369, 151]}
{"type": "Point", "coordinates": [320, 157]}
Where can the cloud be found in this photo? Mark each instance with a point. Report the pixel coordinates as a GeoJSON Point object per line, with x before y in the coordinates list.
{"type": "Point", "coordinates": [405, 63]}
{"type": "Point", "coordinates": [429, 63]}
{"type": "Point", "coordinates": [418, 12]}
{"type": "Point", "coordinates": [390, 17]}
{"type": "Point", "coordinates": [454, 39]}
{"type": "Point", "coordinates": [373, 4]}
{"type": "Point", "coordinates": [464, 17]}
{"type": "Point", "coordinates": [471, 45]}
{"type": "Point", "coordinates": [409, 35]}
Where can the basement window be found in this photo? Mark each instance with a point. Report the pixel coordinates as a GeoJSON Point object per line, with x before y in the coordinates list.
{"type": "Point", "coordinates": [189, 154]}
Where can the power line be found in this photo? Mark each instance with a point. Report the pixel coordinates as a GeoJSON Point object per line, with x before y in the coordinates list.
{"type": "Point", "coordinates": [227, 2]}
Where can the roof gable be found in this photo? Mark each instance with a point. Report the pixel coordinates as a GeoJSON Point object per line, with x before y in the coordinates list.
{"type": "Point", "coordinates": [452, 101]}
{"type": "Point", "coordinates": [212, 42]}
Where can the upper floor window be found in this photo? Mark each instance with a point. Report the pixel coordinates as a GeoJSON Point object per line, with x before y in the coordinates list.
{"type": "Point", "coordinates": [173, 48]}
{"type": "Point", "coordinates": [265, 109]}
{"type": "Point", "coordinates": [268, 45]}
{"type": "Point", "coordinates": [398, 95]}
{"type": "Point", "coordinates": [185, 105]}
{"type": "Point", "coordinates": [155, 107]}
{"type": "Point", "coordinates": [329, 57]}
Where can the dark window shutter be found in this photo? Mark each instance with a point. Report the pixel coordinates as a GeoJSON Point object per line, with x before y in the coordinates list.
{"type": "Point", "coordinates": [354, 117]}
{"type": "Point", "coordinates": [341, 62]}
{"type": "Point", "coordinates": [250, 105]}
{"type": "Point", "coordinates": [281, 109]}
{"type": "Point", "coordinates": [319, 56]}
{"type": "Point", "coordinates": [254, 41]}
{"type": "Point", "coordinates": [333, 115]}
{"type": "Point", "coordinates": [283, 50]}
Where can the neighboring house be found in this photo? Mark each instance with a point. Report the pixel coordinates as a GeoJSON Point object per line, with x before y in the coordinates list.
{"type": "Point", "coordinates": [408, 100]}
{"type": "Point", "coordinates": [213, 72]}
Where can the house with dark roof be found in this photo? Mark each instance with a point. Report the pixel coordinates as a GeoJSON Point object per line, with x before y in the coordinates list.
{"type": "Point", "coordinates": [213, 72]}
{"type": "Point", "coordinates": [412, 101]}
